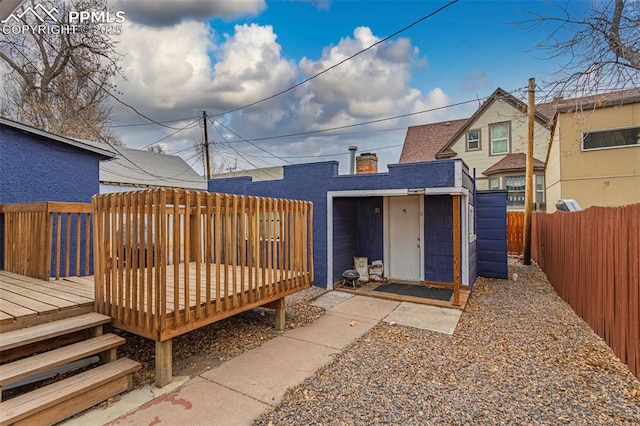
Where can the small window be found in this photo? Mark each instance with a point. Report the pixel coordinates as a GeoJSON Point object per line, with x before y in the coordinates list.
{"type": "Point", "coordinates": [515, 186]}
{"type": "Point", "coordinates": [611, 138]}
{"type": "Point", "coordinates": [499, 135]}
{"type": "Point", "coordinates": [471, 220]}
{"type": "Point", "coordinates": [473, 140]}
{"type": "Point", "coordinates": [494, 183]}
{"type": "Point", "coordinates": [539, 189]}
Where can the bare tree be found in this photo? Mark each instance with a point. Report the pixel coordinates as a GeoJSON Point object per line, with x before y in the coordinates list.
{"type": "Point", "coordinates": [60, 81]}
{"type": "Point", "coordinates": [157, 149]}
{"type": "Point", "coordinates": [599, 38]}
{"type": "Point", "coordinates": [218, 164]}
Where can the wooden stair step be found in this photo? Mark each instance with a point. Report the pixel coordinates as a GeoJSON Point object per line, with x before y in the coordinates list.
{"type": "Point", "coordinates": [35, 364]}
{"type": "Point", "coordinates": [37, 333]}
{"type": "Point", "coordinates": [60, 400]}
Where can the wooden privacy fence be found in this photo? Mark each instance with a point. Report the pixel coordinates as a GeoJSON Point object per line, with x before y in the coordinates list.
{"type": "Point", "coordinates": [592, 259]}
{"type": "Point", "coordinates": [170, 261]}
{"type": "Point", "coordinates": [46, 239]}
{"type": "Point", "coordinates": [515, 232]}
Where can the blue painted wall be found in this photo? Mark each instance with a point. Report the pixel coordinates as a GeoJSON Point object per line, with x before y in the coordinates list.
{"type": "Point", "coordinates": [438, 235]}
{"type": "Point", "coordinates": [357, 231]}
{"type": "Point", "coordinates": [345, 235]}
{"type": "Point", "coordinates": [370, 228]}
{"type": "Point", "coordinates": [34, 168]}
{"type": "Point", "coordinates": [312, 182]}
{"type": "Point", "coordinates": [473, 262]}
{"type": "Point", "coordinates": [491, 212]}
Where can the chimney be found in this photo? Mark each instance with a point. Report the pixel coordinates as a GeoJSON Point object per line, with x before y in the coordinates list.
{"type": "Point", "coordinates": [352, 168]}
{"type": "Point", "coordinates": [366, 162]}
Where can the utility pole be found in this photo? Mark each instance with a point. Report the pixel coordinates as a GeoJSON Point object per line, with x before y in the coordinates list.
{"type": "Point", "coordinates": [206, 145]}
{"type": "Point", "coordinates": [529, 189]}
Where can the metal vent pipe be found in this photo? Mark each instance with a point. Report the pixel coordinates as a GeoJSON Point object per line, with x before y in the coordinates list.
{"type": "Point", "coordinates": [353, 149]}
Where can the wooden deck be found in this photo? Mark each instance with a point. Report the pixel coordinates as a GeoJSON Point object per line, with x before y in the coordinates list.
{"type": "Point", "coordinates": [26, 301]}
{"type": "Point", "coordinates": [368, 290]}
{"type": "Point", "coordinates": [208, 283]}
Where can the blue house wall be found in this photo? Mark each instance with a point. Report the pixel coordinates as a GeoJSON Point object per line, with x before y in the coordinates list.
{"type": "Point", "coordinates": [313, 181]}
{"type": "Point", "coordinates": [35, 168]}
{"type": "Point", "coordinates": [438, 234]}
{"type": "Point", "coordinates": [491, 212]}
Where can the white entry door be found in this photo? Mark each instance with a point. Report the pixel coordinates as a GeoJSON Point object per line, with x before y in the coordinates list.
{"type": "Point", "coordinates": [405, 238]}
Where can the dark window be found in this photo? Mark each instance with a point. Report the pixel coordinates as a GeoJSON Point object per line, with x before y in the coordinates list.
{"type": "Point", "coordinates": [611, 138]}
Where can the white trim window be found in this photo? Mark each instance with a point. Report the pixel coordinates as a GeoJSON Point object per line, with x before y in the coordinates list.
{"type": "Point", "coordinates": [499, 137]}
{"type": "Point", "coordinates": [610, 138]}
{"type": "Point", "coordinates": [473, 140]}
{"type": "Point", "coordinates": [539, 189]}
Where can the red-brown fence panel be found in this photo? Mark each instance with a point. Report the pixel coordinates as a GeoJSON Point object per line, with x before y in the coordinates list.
{"type": "Point", "coordinates": [592, 260]}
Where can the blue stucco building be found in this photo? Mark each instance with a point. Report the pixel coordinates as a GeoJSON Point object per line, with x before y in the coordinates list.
{"type": "Point", "coordinates": [403, 217]}
{"type": "Point", "coordinates": [39, 166]}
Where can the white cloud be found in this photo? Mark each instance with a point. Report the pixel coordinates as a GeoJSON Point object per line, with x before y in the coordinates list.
{"type": "Point", "coordinates": [249, 66]}
{"type": "Point", "coordinates": [166, 68]}
{"type": "Point", "coordinates": [371, 85]}
{"type": "Point", "coordinates": [164, 13]}
{"type": "Point", "coordinates": [180, 70]}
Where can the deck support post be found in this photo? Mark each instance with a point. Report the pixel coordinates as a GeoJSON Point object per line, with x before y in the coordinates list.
{"type": "Point", "coordinates": [279, 307]}
{"type": "Point", "coordinates": [164, 373]}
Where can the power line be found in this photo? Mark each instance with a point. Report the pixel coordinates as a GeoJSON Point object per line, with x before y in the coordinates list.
{"type": "Point", "coordinates": [245, 140]}
{"type": "Point", "coordinates": [188, 126]}
{"type": "Point", "coordinates": [102, 88]}
{"type": "Point", "coordinates": [344, 153]}
{"type": "Point", "coordinates": [346, 126]}
{"type": "Point", "coordinates": [243, 158]}
{"type": "Point", "coordinates": [341, 62]}
{"type": "Point", "coordinates": [113, 126]}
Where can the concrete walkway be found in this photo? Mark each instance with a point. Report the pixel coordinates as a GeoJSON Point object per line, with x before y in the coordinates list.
{"type": "Point", "coordinates": [239, 390]}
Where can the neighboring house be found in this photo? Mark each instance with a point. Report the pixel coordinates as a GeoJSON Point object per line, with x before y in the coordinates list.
{"type": "Point", "coordinates": [134, 169]}
{"type": "Point", "coordinates": [594, 154]}
{"type": "Point", "coordinates": [39, 166]}
{"type": "Point", "coordinates": [403, 217]}
{"type": "Point", "coordinates": [492, 143]}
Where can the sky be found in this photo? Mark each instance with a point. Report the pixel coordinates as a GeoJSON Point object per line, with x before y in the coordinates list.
{"type": "Point", "coordinates": [182, 58]}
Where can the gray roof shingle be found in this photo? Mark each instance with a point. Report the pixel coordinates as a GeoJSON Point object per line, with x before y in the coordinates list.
{"type": "Point", "coordinates": [136, 167]}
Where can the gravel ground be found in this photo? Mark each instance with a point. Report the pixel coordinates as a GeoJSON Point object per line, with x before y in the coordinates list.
{"type": "Point", "coordinates": [519, 356]}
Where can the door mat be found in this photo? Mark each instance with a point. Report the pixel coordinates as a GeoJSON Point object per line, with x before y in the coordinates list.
{"type": "Point", "coordinates": [417, 291]}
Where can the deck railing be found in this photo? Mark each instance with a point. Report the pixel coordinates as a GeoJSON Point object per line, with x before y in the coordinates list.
{"type": "Point", "coordinates": [169, 261]}
{"type": "Point", "coordinates": [47, 239]}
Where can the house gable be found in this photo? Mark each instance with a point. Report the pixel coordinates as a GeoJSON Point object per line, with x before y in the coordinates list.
{"type": "Point", "coordinates": [497, 111]}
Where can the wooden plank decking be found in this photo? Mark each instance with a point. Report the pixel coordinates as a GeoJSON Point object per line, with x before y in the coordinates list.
{"type": "Point", "coordinates": [26, 301]}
